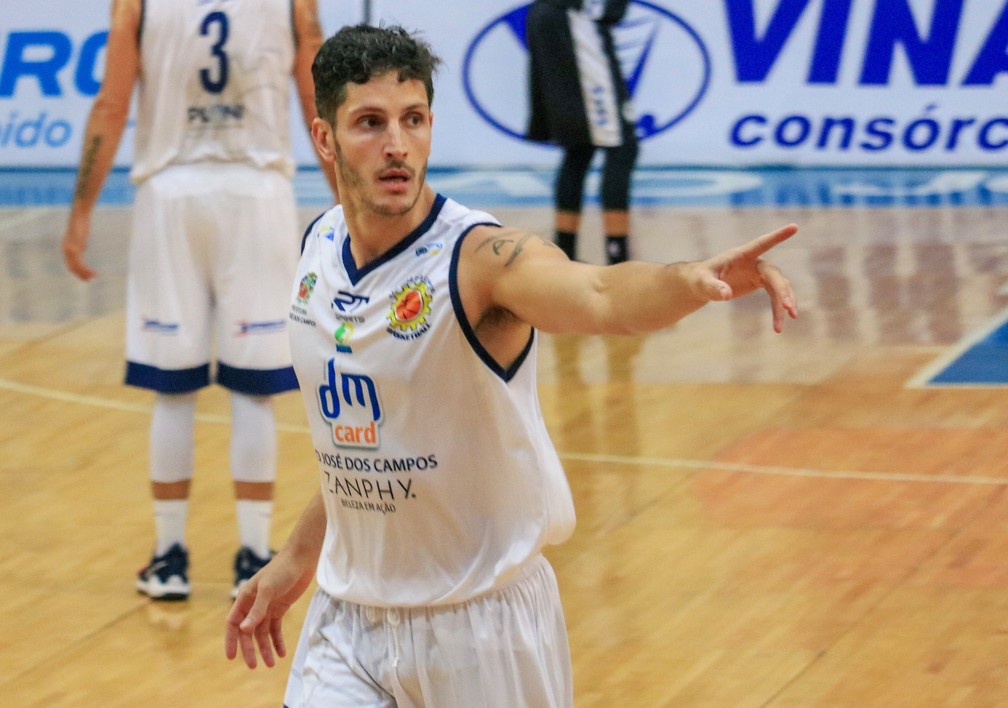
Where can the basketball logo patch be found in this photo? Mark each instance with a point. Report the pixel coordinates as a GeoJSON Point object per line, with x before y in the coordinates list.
{"type": "Point", "coordinates": [409, 313]}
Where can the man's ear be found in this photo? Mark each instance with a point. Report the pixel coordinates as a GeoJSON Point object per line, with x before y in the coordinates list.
{"type": "Point", "coordinates": [324, 138]}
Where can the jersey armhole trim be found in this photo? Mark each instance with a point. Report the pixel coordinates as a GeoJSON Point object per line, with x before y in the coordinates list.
{"type": "Point", "coordinates": [304, 239]}
{"type": "Point", "coordinates": [506, 374]}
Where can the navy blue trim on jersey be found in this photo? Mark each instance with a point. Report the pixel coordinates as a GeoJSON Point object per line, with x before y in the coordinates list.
{"type": "Point", "coordinates": [167, 380]}
{"type": "Point", "coordinates": [140, 25]}
{"type": "Point", "coordinates": [470, 334]}
{"type": "Point", "coordinates": [257, 382]}
{"type": "Point", "coordinates": [304, 239]}
{"type": "Point", "coordinates": [355, 274]}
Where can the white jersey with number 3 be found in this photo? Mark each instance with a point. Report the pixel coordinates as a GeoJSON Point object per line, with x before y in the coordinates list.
{"type": "Point", "coordinates": [439, 477]}
{"type": "Point", "coordinates": [214, 84]}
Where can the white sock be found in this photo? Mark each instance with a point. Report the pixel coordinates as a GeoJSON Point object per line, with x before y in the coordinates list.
{"type": "Point", "coordinates": [170, 517]}
{"type": "Point", "coordinates": [254, 520]}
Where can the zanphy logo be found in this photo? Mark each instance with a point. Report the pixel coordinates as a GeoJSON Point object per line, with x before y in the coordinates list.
{"type": "Point", "coordinates": [648, 41]}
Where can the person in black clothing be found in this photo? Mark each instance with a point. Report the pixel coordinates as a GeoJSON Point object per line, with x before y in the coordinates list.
{"type": "Point", "coordinates": [580, 101]}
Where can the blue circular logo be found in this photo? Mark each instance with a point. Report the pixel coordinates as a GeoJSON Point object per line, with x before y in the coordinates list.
{"type": "Point", "coordinates": [664, 61]}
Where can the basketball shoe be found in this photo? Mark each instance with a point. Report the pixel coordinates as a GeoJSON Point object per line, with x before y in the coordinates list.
{"type": "Point", "coordinates": [246, 564]}
{"type": "Point", "coordinates": [166, 577]}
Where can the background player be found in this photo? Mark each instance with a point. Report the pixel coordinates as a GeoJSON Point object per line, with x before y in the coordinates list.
{"type": "Point", "coordinates": [214, 237]}
{"type": "Point", "coordinates": [578, 99]}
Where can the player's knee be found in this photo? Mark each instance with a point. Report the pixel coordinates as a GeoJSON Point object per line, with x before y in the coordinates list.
{"type": "Point", "coordinates": [253, 438]}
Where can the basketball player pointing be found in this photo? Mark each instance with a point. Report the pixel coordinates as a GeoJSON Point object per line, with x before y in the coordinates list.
{"type": "Point", "coordinates": [413, 326]}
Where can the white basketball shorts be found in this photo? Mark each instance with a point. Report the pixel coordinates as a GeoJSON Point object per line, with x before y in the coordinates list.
{"type": "Point", "coordinates": [212, 259]}
{"type": "Point", "coordinates": [505, 649]}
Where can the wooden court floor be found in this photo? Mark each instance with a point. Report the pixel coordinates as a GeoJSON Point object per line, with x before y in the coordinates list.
{"type": "Point", "coordinates": [763, 520]}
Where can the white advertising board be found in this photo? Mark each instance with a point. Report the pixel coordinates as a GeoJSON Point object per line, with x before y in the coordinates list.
{"type": "Point", "coordinates": [714, 82]}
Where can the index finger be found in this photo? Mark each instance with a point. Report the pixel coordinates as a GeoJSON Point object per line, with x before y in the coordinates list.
{"type": "Point", "coordinates": [761, 244]}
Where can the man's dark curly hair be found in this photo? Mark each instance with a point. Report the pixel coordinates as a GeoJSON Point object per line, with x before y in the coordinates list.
{"type": "Point", "coordinates": [358, 53]}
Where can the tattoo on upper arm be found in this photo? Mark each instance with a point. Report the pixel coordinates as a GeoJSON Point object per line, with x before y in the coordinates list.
{"type": "Point", "coordinates": [511, 246]}
{"type": "Point", "coordinates": [87, 166]}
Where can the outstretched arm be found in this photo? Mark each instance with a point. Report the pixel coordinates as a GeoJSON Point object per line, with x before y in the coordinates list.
{"type": "Point", "coordinates": [256, 618]}
{"type": "Point", "coordinates": [309, 38]}
{"type": "Point", "coordinates": [104, 130]}
{"type": "Point", "coordinates": [520, 273]}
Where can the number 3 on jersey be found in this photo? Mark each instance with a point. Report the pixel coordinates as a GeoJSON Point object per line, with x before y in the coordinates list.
{"type": "Point", "coordinates": [215, 25]}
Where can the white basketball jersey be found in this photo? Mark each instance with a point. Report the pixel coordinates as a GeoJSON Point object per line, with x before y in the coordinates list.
{"type": "Point", "coordinates": [438, 474]}
{"type": "Point", "coordinates": [215, 84]}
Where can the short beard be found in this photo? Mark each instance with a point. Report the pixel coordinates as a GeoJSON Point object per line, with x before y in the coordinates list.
{"type": "Point", "coordinates": [355, 184]}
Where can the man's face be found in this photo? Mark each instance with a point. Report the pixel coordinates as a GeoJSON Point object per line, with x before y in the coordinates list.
{"type": "Point", "coordinates": [383, 142]}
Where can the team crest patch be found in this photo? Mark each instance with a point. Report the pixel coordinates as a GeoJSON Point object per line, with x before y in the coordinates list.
{"type": "Point", "coordinates": [306, 287]}
{"type": "Point", "coordinates": [409, 315]}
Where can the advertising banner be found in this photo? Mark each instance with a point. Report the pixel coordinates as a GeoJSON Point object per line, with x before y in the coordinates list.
{"type": "Point", "coordinates": [52, 59]}
{"type": "Point", "coordinates": [869, 83]}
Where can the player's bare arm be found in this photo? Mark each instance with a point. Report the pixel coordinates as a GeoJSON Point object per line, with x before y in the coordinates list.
{"type": "Point", "coordinates": [308, 35]}
{"type": "Point", "coordinates": [256, 617]}
{"type": "Point", "coordinates": [529, 278]}
{"type": "Point", "coordinates": [104, 130]}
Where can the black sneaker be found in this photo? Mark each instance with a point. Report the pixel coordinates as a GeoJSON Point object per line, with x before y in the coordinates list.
{"type": "Point", "coordinates": [166, 577]}
{"type": "Point", "coordinates": [246, 564]}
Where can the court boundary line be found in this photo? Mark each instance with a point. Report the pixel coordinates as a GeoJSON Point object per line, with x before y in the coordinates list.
{"type": "Point", "coordinates": [636, 461]}
{"type": "Point", "coordinates": [922, 378]}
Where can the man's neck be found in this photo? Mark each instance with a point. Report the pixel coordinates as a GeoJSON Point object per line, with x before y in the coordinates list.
{"type": "Point", "coordinates": [372, 234]}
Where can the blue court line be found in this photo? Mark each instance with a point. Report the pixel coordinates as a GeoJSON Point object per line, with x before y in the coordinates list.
{"type": "Point", "coordinates": [768, 186]}
{"type": "Point", "coordinates": [980, 361]}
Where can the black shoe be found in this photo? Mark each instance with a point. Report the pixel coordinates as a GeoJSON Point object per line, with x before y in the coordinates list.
{"type": "Point", "coordinates": [166, 577]}
{"type": "Point", "coordinates": [246, 564]}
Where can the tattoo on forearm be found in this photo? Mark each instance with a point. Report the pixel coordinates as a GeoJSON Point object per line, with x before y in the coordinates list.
{"type": "Point", "coordinates": [512, 246]}
{"type": "Point", "coordinates": [87, 166]}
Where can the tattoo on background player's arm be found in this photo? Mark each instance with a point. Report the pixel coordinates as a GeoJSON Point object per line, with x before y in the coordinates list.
{"type": "Point", "coordinates": [87, 166]}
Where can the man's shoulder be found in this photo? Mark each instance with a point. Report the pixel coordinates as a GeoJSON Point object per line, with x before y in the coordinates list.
{"type": "Point", "coordinates": [455, 213]}
{"type": "Point", "coordinates": [323, 227]}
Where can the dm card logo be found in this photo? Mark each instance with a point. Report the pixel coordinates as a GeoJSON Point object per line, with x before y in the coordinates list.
{"type": "Point", "coordinates": [351, 405]}
{"type": "Point", "coordinates": [411, 307]}
{"type": "Point", "coordinates": [656, 49]}
{"type": "Point", "coordinates": [306, 288]}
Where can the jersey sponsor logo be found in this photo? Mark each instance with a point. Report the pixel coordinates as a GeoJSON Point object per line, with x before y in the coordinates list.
{"type": "Point", "coordinates": [656, 49]}
{"type": "Point", "coordinates": [346, 302]}
{"type": "Point", "coordinates": [350, 403]}
{"type": "Point", "coordinates": [159, 327]}
{"type": "Point", "coordinates": [430, 249]}
{"type": "Point", "coordinates": [342, 336]}
{"type": "Point", "coordinates": [244, 327]}
{"type": "Point", "coordinates": [409, 314]}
